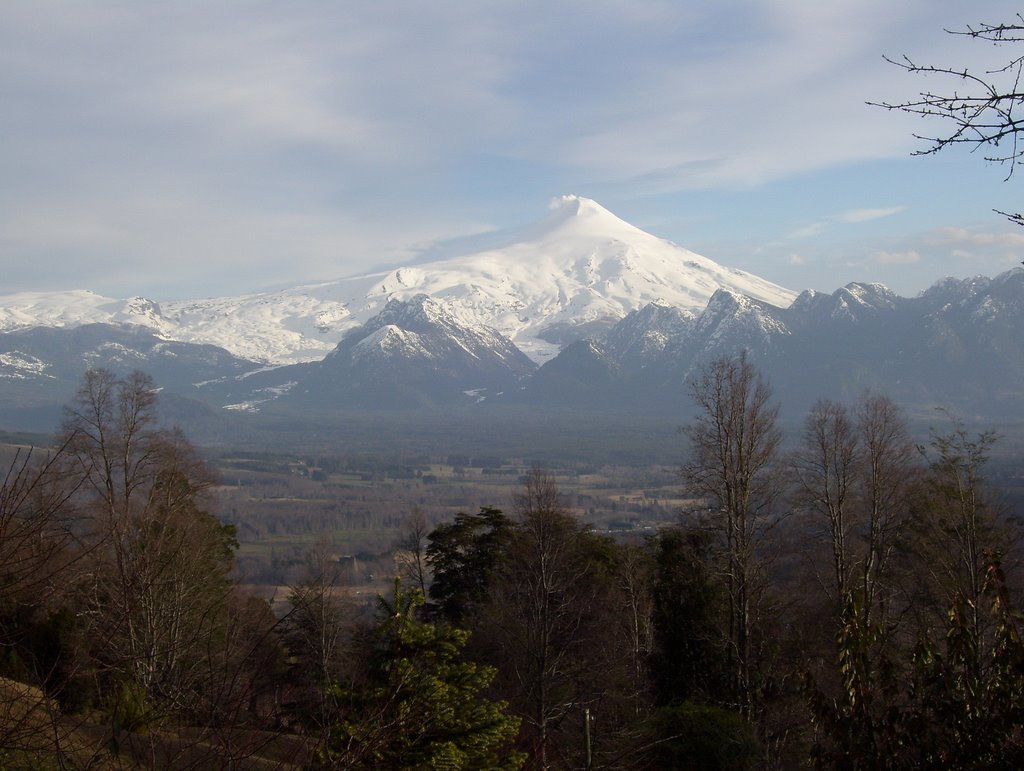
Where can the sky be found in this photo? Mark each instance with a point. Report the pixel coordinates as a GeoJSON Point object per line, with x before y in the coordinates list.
{"type": "Point", "coordinates": [185, 150]}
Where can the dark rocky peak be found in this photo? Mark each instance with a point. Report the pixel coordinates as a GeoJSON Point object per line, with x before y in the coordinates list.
{"type": "Point", "coordinates": [417, 314]}
{"type": "Point", "coordinates": [855, 302]}
{"type": "Point", "coordinates": [646, 332]}
{"type": "Point", "coordinates": [730, 308]}
{"type": "Point", "coordinates": [978, 295]}
{"type": "Point", "coordinates": [861, 295]}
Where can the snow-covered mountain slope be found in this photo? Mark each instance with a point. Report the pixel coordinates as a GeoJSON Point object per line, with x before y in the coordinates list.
{"type": "Point", "coordinates": [576, 273]}
{"type": "Point", "coordinates": [66, 310]}
{"type": "Point", "coordinates": [41, 367]}
{"type": "Point", "coordinates": [644, 334]}
{"type": "Point", "coordinates": [580, 271]}
{"type": "Point", "coordinates": [414, 353]}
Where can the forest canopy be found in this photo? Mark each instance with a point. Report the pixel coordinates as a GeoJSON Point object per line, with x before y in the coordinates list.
{"type": "Point", "coordinates": [841, 598]}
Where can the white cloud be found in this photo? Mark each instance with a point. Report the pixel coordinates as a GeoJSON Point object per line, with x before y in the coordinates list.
{"type": "Point", "coordinates": [328, 136]}
{"type": "Point", "coordinates": [867, 215]}
{"type": "Point", "coordinates": [1007, 240]}
{"type": "Point", "coordinates": [853, 216]}
{"type": "Point", "coordinates": [808, 231]}
{"type": "Point", "coordinates": [896, 258]}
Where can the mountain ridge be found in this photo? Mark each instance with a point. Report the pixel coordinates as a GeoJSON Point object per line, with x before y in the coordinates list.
{"type": "Point", "coordinates": [581, 311]}
{"type": "Point", "coordinates": [579, 270]}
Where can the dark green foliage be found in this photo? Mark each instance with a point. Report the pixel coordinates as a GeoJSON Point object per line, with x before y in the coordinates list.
{"type": "Point", "coordinates": [961, 710]}
{"type": "Point", "coordinates": [703, 738]}
{"type": "Point", "coordinates": [688, 607]}
{"type": "Point", "coordinates": [963, 524]}
{"type": "Point", "coordinates": [40, 647]}
{"type": "Point", "coordinates": [422, 707]}
{"type": "Point", "coordinates": [463, 555]}
{"type": "Point", "coordinates": [967, 707]}
{"type": "Point", "coordinates": [862, 724]}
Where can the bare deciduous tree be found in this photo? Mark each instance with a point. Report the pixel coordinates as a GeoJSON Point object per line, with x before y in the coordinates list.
{"type": "Point", "coordinates": [158, 562]}
{"type": "Point", "coordinates": [825, 480]}
{"type": "Point", "coordinates": [36, 524]}
{"type": "Point", "coordinates": [856, 472]}
{"type": "Point", "coordinates": [966, 531]}
{"type": "Point", "coordinates": [539, 591]}
{"type": "Point", "coordinates": [544, 625]}
{"type": "Point", "coordinates": [979, 109]}
{"type": "Point", "coordinates": [734, 444]}
{"type": "Point", "coordinates": [36, 556]}
{"type": "Point", "coordinates": [634, 577]}
{"type": "Point", "coordinates": [887, 488]}
{"type": "Point", "coordinates": [411, 554]}
{"type": "Point", "coordinates": [318, 633]}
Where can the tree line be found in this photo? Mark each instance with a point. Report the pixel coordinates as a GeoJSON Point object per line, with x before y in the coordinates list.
{"type": "Point", "coordinates": [843, 604]}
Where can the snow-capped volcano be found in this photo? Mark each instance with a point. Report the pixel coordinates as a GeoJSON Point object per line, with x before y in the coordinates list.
{"type": "Point", "coordinates": [577, 272]}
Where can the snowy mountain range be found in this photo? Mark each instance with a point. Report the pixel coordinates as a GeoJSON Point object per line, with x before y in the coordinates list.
{"type": "Point", "coordinates": [580, 270]}
{"type": "Point", "coordinates": [956, 346]}
{"type": "Point", "coordinates": [581, 311]}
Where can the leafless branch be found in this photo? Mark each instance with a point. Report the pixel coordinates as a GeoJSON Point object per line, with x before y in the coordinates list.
{"type": "Point", "coordinates": [981, 110]}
